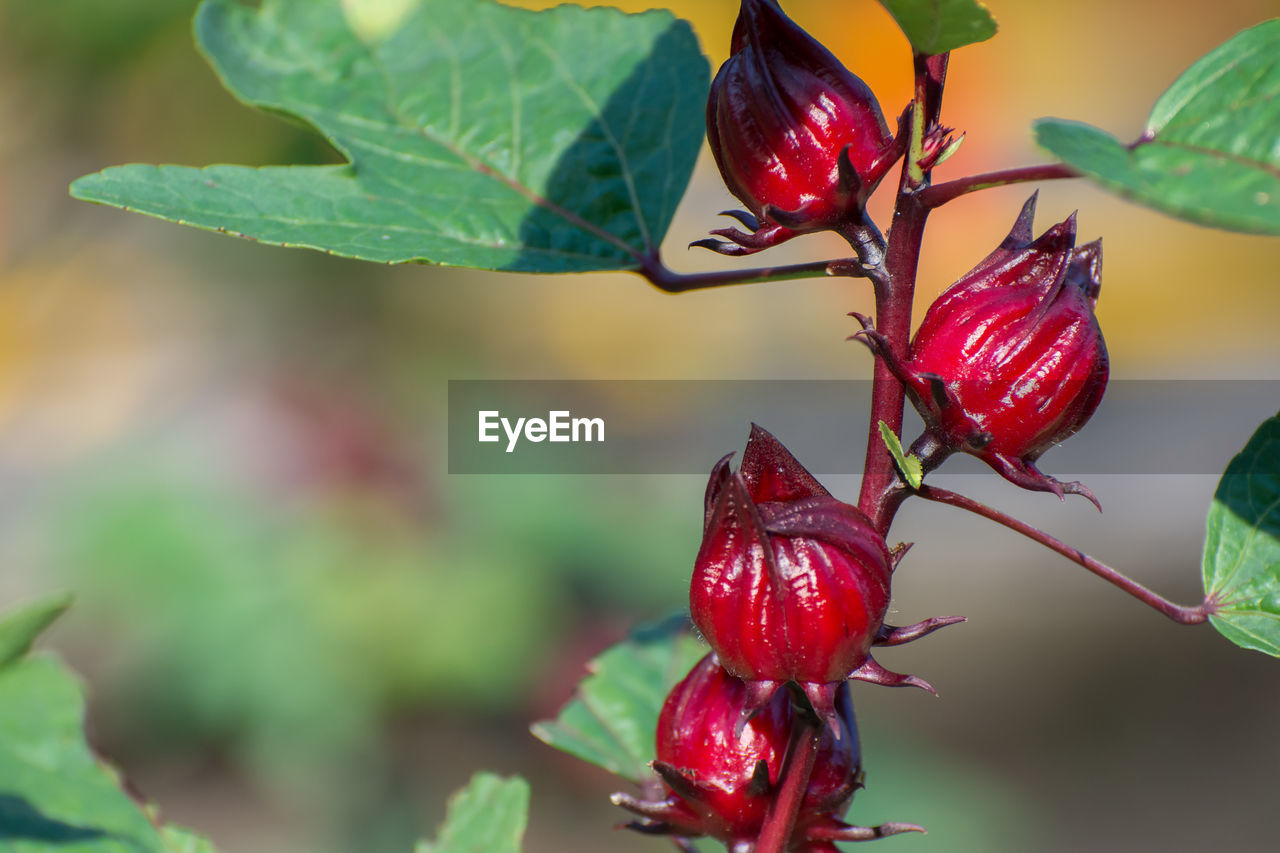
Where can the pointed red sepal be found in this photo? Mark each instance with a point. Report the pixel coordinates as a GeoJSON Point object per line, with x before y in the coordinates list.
{"type": "Point", "coordinates": [759, 695]}
{"type": "Point", "coordinates": [772, 473]}
{"type": "Point", "coordinates": [1024, 473]}
{"type": "Point", "coordinates": [661, 817]}
{"type": "Point", "coordinates": [890, 636]}
{"type": "Point", "coordinates": [822, 698]}
{"type": "Point", "coordinates": [897, 552]}
{"type": "Point", "coordinates": [874, 673]}
{"type": "Point", "coordinates": [848, 832]}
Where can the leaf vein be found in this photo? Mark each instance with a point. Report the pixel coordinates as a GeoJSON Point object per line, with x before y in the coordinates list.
{"type": "Point", "coordinates": [624, 163]}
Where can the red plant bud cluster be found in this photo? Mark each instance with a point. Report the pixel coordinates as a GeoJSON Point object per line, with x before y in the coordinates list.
{"type": "Point", "coordinates": [791, 585]}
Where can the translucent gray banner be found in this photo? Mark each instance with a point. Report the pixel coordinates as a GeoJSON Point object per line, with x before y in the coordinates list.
{"type": "Point", "coordinates": [683, 427]}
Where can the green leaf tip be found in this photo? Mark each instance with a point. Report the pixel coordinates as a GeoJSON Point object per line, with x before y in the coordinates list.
{"type": "Point", "coordinates": [908, 463]}
{"type": "Point", "coordinates": [1241, 564]}
{"type": "Point", "coordinates": [20, 626]}
{"type": "Point", "coordinates": [612, 720]}
{"type": "Point", "coordinates": [477, 134]}
{"type": "Point", "coordinates": [55, 793]}
{"type": "Point", "coordinates": [178, 840]}
{"type": "Point", "coordinates": [950, 151]}
{"type": "Point", "coordinates": [488, 815]}
{"type": "Point", "coordinates": [939, 26]}
{"type": "Point", "coordinates": [1211, 151]}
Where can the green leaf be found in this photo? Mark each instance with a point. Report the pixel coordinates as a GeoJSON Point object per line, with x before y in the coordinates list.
{"type": "Point", "coordinates": [55, 797]}
{"type": "Point", "coordinates": [487, 816]}
{"type": "Point", "coordinates": [53, 794]}
{"type": "Point", "coordinates": [1211, 150]}
{"type": "Point", "coordinates": [937, 26]}
{"type": "Point", "coordinates": [178, 840]}
{"type": "Point", "coordinates": [613, 719]}
{"type": "Point", "coordinates": [477, 134]}
{"type": "Point", "coordinates": [19, 628]}
{"type": "Point", "coordinates": [1242, 546]}
{"type": "Point", "coordinates": [908, 464]}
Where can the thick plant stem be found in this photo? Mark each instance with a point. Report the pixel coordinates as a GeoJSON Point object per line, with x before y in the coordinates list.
{"type": "Point", "coordinates": [894, 295]}
{"type": "Point", "coordinates": [802, 754]}
{"type": "Point", "coordinates": [1178, 613]}
{"type": "Point", "coordinates": [939, 194]}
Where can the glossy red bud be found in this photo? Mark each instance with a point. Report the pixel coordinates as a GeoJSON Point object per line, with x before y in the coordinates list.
{"type": "Point", "coordinates": [799, 139]}
{"type": "Point", "coordinates": [721, 770]}
{"type": "Point", "coordinates": [790, 584]}
{"type": "Point", "coordinates": [1010, 359]}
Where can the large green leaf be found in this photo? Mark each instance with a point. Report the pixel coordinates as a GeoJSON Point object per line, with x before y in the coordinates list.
{"type": "Point", "coordinates": [937, 26]}
{"type": "Point", "coordinates": [487, 816]}
{"type": "Point", "coordinates": [1211, 150]}
{"type": "Point", "coordinates": [19, 628]}
{"type": "Point", "coordinates": [1242, 547]}
{"type": "Point", "coordinates": [477, 134]}
{"type": "Point", "coordinates": [614, 717]}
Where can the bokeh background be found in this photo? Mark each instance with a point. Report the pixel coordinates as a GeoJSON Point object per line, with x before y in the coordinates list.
{"type": "Point", "coordinates": [299, 633]}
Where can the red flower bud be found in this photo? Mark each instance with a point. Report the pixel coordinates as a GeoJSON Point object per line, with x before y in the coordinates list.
{"type": "Point", "coordinates": [799, 139]}
{"type": "Point", "coordinates": [791, 584]}
{"type": "Point", "coordinates": [721, 770]}
{"type": "Point", "coordinates": [1010, 359]}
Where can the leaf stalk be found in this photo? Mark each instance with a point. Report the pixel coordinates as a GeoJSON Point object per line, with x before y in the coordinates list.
{"type": "Point", "coordinates": [1178, 613]}
{"type": "Point", "coordinates": [669, 281]}
{"type": "Point", "coordinates": [939, 194]}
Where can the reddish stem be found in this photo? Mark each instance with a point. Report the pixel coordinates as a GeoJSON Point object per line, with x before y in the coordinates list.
{"type": "Point", "coordinates": [1178, 613]}
{"type": "Point", "coordinates": [670, 281]}
{"type": "Point", "coordinates": [940, 194]}
{"type": "Point", "coordinates": [802, 754]}
{"type": "Point", "coordinates": [879, 498]}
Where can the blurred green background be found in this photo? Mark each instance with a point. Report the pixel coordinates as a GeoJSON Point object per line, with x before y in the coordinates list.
{"type": "Point", "coordinates": [300, 633]}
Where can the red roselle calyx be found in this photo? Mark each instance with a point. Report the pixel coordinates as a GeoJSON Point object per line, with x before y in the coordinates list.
{"type": "Point", "coordinates": [791, 584]}
{"type": "Point", "coordinates": [720, 773]}
{"type": "Point", "coordinates": [1010, 359]}
{"type": "Point", "coordinates": [799, 139]}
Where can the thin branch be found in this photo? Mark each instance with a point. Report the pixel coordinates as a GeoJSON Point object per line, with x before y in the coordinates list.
{"type": "Point", "coordinates": [1176, 612]}
{"type": "Point", "coordinates": [669, 281]}
{"type": "Point", "coordinates": [939, 194]}
{"type": "Point", "coordinates": [802, 754]}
